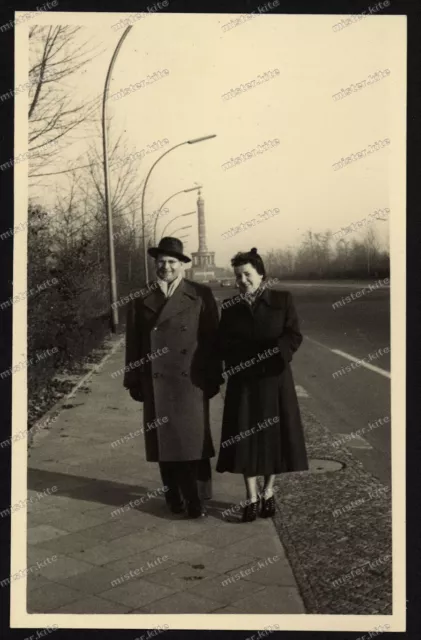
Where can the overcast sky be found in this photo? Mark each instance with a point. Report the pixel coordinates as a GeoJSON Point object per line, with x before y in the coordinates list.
{"type": "Point", "coordinates": [296, 106]}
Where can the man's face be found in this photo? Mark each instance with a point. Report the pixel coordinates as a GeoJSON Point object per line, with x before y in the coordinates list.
{"type": "Point", "coordinates": [168, 268]}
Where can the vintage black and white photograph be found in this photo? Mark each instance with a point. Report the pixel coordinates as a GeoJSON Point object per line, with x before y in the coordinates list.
{"type": "Point", "coordinates": [209, 262]}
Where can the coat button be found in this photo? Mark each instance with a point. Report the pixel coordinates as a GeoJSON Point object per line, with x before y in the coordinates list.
{"type": "Point", "coordinates": [183, 328]}
{"type": "Point", "coordinates": [155, 375]}
{"type": "Point", "coordinates": [184, 373]}
{"type": "Point", "coordinates": [183, 351]}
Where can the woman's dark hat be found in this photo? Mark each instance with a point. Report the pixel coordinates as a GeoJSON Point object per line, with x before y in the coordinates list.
{"type": "Point", "coordinates": [170, 247]}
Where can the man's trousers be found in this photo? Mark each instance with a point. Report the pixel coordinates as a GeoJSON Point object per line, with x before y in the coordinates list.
{"type": "Point", "coordinates": [191, 480]}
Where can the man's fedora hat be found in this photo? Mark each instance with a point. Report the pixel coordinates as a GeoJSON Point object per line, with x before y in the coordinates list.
{"type": "Point", "coordinates": [170, 247]}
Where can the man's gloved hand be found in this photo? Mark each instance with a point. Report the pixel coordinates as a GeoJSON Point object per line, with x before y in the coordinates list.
{"type": "Point", "coordinates": [136, 394]}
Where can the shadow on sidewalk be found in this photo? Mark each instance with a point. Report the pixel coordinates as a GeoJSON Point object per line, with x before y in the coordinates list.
{"type": "Point", "coordinates": [110, 493]}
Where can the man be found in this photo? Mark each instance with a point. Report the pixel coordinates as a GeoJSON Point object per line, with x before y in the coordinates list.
{"type": "Point", "coordinates": [173, 329]}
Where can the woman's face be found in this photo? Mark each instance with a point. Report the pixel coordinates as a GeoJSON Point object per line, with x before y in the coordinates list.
{"type": "Point", "coordinates": [247, 279]}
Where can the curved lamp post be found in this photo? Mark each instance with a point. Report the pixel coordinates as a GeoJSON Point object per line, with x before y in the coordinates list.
{"type": "Point", "coordinates": [164, 203]}
{"type": "Point", "coordinates": [189, 226]}
{"type": "Point", "coordinates": [113, 276]}
{"type": "Point", "coordinates": [193, 141]}
{"type": "Point", "coordinates": [182, 215]}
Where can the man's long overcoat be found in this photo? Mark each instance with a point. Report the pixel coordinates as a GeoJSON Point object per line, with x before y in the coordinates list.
{"type": "Point", "coordinates": [175, 385]}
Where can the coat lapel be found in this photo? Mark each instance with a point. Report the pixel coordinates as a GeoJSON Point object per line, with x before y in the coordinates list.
{"type": "Point", "coordinates": [178, 302]}
{"type": "Point", "coordinates": [276, 301]}
{"type": "Point", "coordinates": [155, 300]}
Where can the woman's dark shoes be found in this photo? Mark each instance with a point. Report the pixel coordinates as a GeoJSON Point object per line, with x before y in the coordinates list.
{"type": "Point", "coordinates": [250, 512]}
{"type": "Point", "coordinates": [268, 507]}
{"type": "Point", "coordinates": [196, 510]}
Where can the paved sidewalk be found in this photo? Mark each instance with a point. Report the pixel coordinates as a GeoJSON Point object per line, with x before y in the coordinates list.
{"type": "Point", "coordinates": [142, 559]}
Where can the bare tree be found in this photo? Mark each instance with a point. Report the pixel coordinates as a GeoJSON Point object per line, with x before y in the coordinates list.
{"type": "Point", "coordinates": [56, 54]}
{"type": "Point", "coordinates": [315, 257]}
{"type": "Point", "coordinates": [371, 246]}
{"type": "Point", "coordinates": [342, 257]}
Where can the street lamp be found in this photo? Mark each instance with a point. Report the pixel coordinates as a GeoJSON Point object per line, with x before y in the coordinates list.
{"type": "Point", "coordinates": [182, 228]}
{"type": "Point", "coordinates": [142, 208]}
{"type": "Point", "coordinates": [182, 215]}
{"type": "Point", "coordinates": [113, 276]}
{"type": "Point", "coordinates": [164, 203]}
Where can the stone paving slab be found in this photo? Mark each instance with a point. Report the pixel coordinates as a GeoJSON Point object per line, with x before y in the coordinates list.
{"type": "Point", "coordinates": [279, 573]}
{"type": "Point", "coordinates": [36, 582]}
{"type": "Point", "coordinates": [51, 514]}
{"type": "Point", "coordinates": [64, 567]}
{"type": "Point", "coordinates": [71, 543]}
{"type": "Point", "coordinates": [108, 530]}
{"type": "Point", "coordinates": [123, 547]}
{"type": "Point", "coordinates": [181, 602]}
{"type": "Point", "coordinates": [98, 539]}
{"type": "Point", "coordinates": [51, 596]}
{"type": "Point", "coordinates": [92, 581]}
{"type": "Point", "coordinates": [269, 599]}
{"type": "Point", "coordinates": [140, 561]}
{"type": "Point", "coordinates": [215, 589]}
{"type": "Point", "coordinates": [78, 522]}
{"type": "Point", "coordinates": [38, 553]}
{"type": "Point", "coordinates": [183, 528]}
{"type": "Point", "coordinates": [224, 536]}
{"type": "Point", "coordinates": [93, 603]}
{"type": "Point", "coordinates": [223, 561]}
{"type": "Point", "coordinates": [260, 546]}
{"type": "Point", "coordinates": [43, 532]}
{"type": "Point", "coordinates": [135, 591]}
{"type": "Point", "coordinates": [182, 576]}
{"type": "Point", "coordinates": [182, 550]}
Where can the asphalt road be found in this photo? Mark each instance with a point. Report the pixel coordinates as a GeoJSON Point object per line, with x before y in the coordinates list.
{"type": "Point", "coordinates": [345, 400]}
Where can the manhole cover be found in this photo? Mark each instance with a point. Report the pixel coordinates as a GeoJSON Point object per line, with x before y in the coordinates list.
{"type": "Point", "coordinates": [320, 465]}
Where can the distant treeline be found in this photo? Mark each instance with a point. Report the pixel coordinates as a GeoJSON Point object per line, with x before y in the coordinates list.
{"type": "Point", "coordinates": [321, 256]}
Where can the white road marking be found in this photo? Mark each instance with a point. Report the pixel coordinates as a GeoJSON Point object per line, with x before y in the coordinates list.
{"type": "Point", "coordinates": [301, 392]}
{"type": "Point", "coordinates": [372, 367]}
{"type": "Point", "coordinates": [352, 441]}
{"type": "Point", "coordinates": [317, 342]}
{"type": "Point", "coordinates": [382, 372]}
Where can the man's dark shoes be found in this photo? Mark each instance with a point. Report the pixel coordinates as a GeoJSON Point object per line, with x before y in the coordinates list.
{"type": "Point", "coordinates": [175, 502]}
{"type": "Point", "coordinates": [196, 510]}
{"type": "Point", "coordinates": [177, 507]}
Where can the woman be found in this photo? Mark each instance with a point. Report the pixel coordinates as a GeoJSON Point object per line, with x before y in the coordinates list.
{"type": "Point", "coordinates": [262, 434]}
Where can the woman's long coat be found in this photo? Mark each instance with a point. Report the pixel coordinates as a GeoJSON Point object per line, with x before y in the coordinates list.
{"type": "Point", "coordinates": [176, 384]}
{"type": "Point", "coordinates": [257, 343]}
